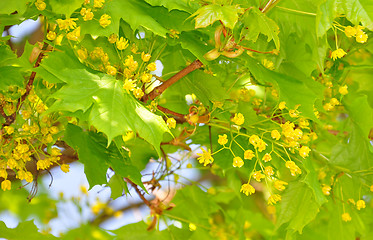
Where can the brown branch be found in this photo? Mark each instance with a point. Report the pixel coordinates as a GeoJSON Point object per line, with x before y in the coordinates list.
{"type": "Point", "coordinates": [178, 116]}
{"type": "Point", "coordinates": [10, 119]}
{"type": "Point", "coordinates": [160, 89]}
{"type": "Point", "coordinates": [138, 192]}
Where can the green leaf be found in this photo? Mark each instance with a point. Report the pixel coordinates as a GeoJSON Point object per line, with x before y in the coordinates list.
{"type": "Point", "coordinates": [138, 230]}
{"type": "Point", "coordinates": [117, 186]}
{"type": "Point", "coordinates": [114, 112]}
{"type": "Point", "coordinates": [8, 7]}
{"type": "Point", "coordinates": [191, 41]}
{"type": "Point", "coordinates": [24, 230]}
{"type": "Point", "coordinates": [97, 158]}
{"type": "Point", "coordinates": [298, 207]}
{"type": "Point", "coordinates": [183, 5]}
{"type": "Point", "coordinates": [10, 76]}
{"type": "Point", "coordinates": [293, 91]}
{"type": "Point", "coordinates": [312, 181]}
{"type": "Point", "coordinates": [66, 7]}
{"type": "Point", "coordinates": [209, 14]}
{"type": "Point", "coordinates": [356, 11]}
{"type": "Point", "coordinates": [135, 12]}
{"type": "Point", "coordinates": [89, 232]}
{"type": "Point", "coordinates": [338, 229]}
{"type": "Point", "coordinates": [254, 18]}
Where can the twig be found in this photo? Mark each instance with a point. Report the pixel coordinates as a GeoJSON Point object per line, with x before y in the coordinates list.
{"type": "Point", "coordinates": [138, 192]}
{"type": "Point", "coordinates": [178, 116]}
{"type": "Point", "coordinates": [160, 89]}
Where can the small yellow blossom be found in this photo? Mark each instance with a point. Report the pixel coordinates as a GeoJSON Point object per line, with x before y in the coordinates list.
{"type": "Point", "coordinates": [258, 175]}
{"type": "Point", "coordinates": [352, 201]}
{"type": "Point", "coordinates": [346, 217]}
{"type": "Point", "coordinates": [205, 157]}
{"type": "Point", "coordinates": [51, 35]}
{"type": "Point", "coordinates": [304, 151]}
{"type": "Point", "coordinates": [152, 66]}
{"type": "Point", "coordinates": [98, 3]}
{"type": "Point", "coordinates": [334, 101]}
{"type": "Point", "coordinates": [267, 157]}
{"type": "Point", "coordinates": [339, 53]}
{"type": "Point", "coordinates": [360, 204]}
{"type": "Point", "coordinates": [247, 189]}
{"type": "Point", "coordinates": [171, 123]}
{"type": "Point", "coordinates": [88, 15]}
{"type": "Point", "coordinates": [293, 113]}
{"type": "Point", "coordinates": [361, 36]}
{"type": "Point", "coordinates": [237, 162]}
{"type": "Point", "coordinates": [268, 64]}
{"type": "Point", "coordinates": [40, 5]}
{"type": "Point", "coordinates": [261, 145]}
{"type": "Point", "coordinates": [303, 123]}
{"type": "Point", "coordinates": [350, 31]}
{"type": "Point", "coordinates": [192, 227]}
{"type": "Point", "coordinates": [130, 63]}
{"type": "Point", "coordinates": [254, 139]}
{"type": "Point", "coordinates": [82, 54]}
{"type": "Point", "coordinates": [113, 38]}
{"type": "Point", "coordinates": [59, 39]}
{"type": "Point", "coordinates": [248, 154]}
{"type": "Point", "coordinates": [146, 77]}
{"type": "Point", "coordinates": [6, 185]}
{"type": "Point", "coordinates": [273, 199]}
{"type": "Point", "coordinates": [9, 130]}
{"type": "Point", "coordinates": [129, 85]}
{"type": "Point", "coordinates": [74, 35]}
{"type": "Point", "coordinates": [269, 171]}
{"type": "Point", "coordinates": [326, 190]}
{"type": "Point", "coordinates": [371, 188]}
{"type": "Point", "coordinates": [238, 119]}
{"type": "Point", "coordinates": [343, 90]}
{"type": "Point", "coordinates": [111, 70]}
{"type": "Point", "coordinates": [328, 106]}
{"type": "Point", "coordinates": [294, 169]}
{"type": "Point", "coordinates": [282, 105]}
{"type": "Point", "coordinates": [223, 139]}
{"type": "Point", "coordinates": [280, 185]}
{"type": "Point", "coordinates": [84, 189]}
{"type": "Point", "coordinates": [275, 134]}
{"type": "Point", "coordinates": [145, 57]}
{"type": "Point", "coordinates": [105, 20]}
{"type": "Point", "coordinates": [65, 168]}
{"type": "Point", "coordinates": [67, 24]}
{"type": "Point", "coordinates": [138, 93]}
{"type": "Point", "coordinates": [122, 43]}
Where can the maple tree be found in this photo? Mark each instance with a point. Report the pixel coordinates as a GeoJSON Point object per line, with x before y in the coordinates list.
{"type": "Point", "coordinates": [269, 101]}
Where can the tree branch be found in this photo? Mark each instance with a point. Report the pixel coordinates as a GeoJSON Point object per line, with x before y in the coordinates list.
{"type": "Point", "coordinates": [178, 116]}
{"type": "Point", "coordinates": [160, 89]}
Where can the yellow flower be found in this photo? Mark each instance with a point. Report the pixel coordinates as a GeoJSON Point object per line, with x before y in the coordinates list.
{"type": "Point", "coordinates": [360, 204]}
{"type": "Point", "coordinates": [111, 70]}
{"type": "Point", "coordinates": [113, 38]}
{"type": "Point", "coordinates": [273, 199]}
{"type": "Point", "coordinates": [237, 162]}
{"type": "Point", "coordinates": [267, 157]}
{"type": "Point", "coordinates": [238, 119]}
{"type": "Point", "coordinates": [304, 151]}
{"type": "Point", "coordinates": [6, 185]}
{"type": "Point", "coordinates": [83, 189]}
{"type": "Point", "coordinates": [82, 54]}
{"type": "Point", "coordinates": [275, 134]}
{"type": "Point", "coordinates": [130, 63]}
{"type": "Point", "coordinates": [65, 168]}
{"type": "Point", "coordinates": [258, 175]}
{"type": "Point", "coordinates": [247, 189]}
{"type": "Point", "coordinates": [152, 66]}
{"type": "Point", "coordinates": [205, 157]}
{"type": "Point", "coordinates": [88, 15]}
{"type": "Point", "coordinates": [59, 39]}
{"type": "Point", "coordinates": [138, 93]}
{"type": "Point", "coordinates": [105, 20]}
{"type": "Point", "coordinates": [328, 106]}
{"type": "Point", "coordinates": [293, 113]}
{"type": "Point", "coordinates": [339, 53]}
{"type": "Point", "coordinates": [326, 190]}
{"type": "Point", "coordinates": [122, 43]}
{"type": "Point", "coordinates": [361, 36]}
{"type": "Point", "coordinates": [282, 105]}
{"type": "Point", "coordinates": [171, 123]}
{"type": "Point", "coordinates": [334, 101]}
{"type": "Point", "coordinates": [192, 227]}
{"type": "Point", "coordinates": [129, 85]}
{"type": "Point", "coordinates": [343, 90]}
{"type": "Point", "coordinates": [51, 35]}
{"type": "Point", "coordinates": [29, 177]}
{"type": "Point", "coordinates": [303, 123]}
{"type": "Point", "coordinates": [248, 154]}
{"type": "Point", "coordinates": [146, 77]}
{"type": "Point", "coordinates": [294, 169]}
{"type": "Point", "coordinates": [9, 130]}
{"type": "Point", "coordinates": [280, 185]}
{"type": "Point", "coordinates": [74, 35]}
{"type": "Point", "coordinates": [371, 188]}
{"type": "Point", "coordinates": [55, 152]}
{"type": "Point", "coordinates": [350, 31]}
{"type": "Point", "coordinates": [40, 5]}
{"type": "Point", "coordinates": [98, 3]}
{"type": "Point", "coordinates": [254, 139]}
{"type": "Point", "coordinates": [223, 139]}
{"type": "Point", "coordinates": [261, 145]}
{"type": "Point", "coordinates": [269, 171]}
{"type": "Point", "coordinates": [346, 217]}
{"type": "Point", "coordinates": [66, 24]}
{"type": "Point", "coordinates": [145, 57]}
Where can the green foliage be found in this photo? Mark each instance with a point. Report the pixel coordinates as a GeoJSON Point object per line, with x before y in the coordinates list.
{"type": "Point", "coordinates": [268, 103]}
